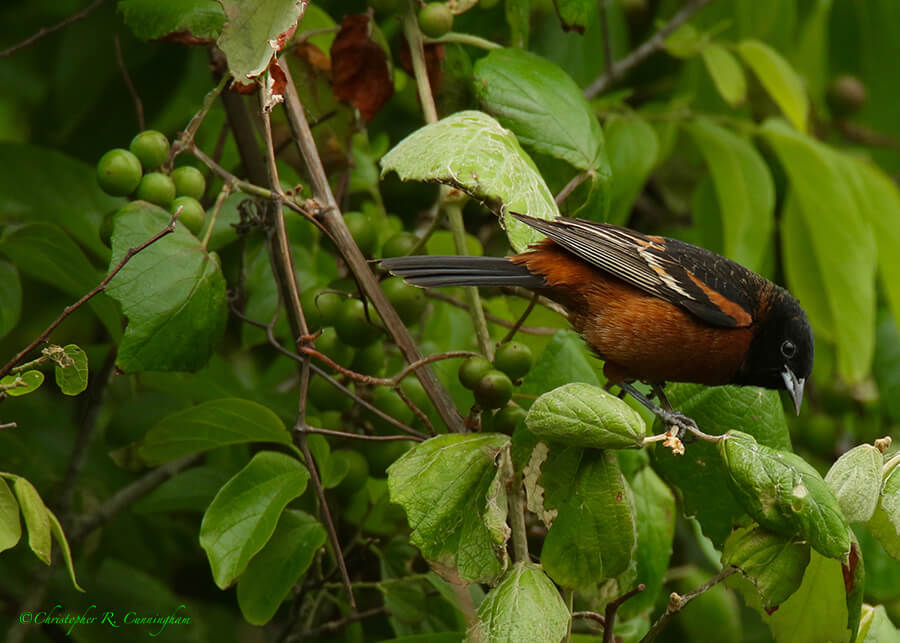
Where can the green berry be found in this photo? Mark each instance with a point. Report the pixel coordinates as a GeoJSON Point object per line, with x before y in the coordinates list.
{"type": "Point", "coordinates": [364, 232]}
{"type": "Point", "coordinates": [409, 301]}
{"type": "Point", "coordinates": [156, 188]}
{"type": "Point", "coordinates": [189, 181]}
{"type": "Point", "coordinates": [507, 419]}
{"type": "Point", "coordinates": [151, 147]}
{"type": "Point", "coordinates": [400, 245]}
{"type": "Point", "coordinates": [331, 345]}
{"type": "Point", "coordinates": [473, 369]}
{"type": "Point", "coordinates": [118, 172]}
{"type": "Point", "coordinates": [494, 390]}
{"type": "Point", "coordinates": [192, 215]}
{"type": "Point", "coordinates": [370, 360]}
{"type": "Point", "coordinates": [352, 325]}
{"type": "Point", "coordinates": [326, 397]}
{"type": "Point", "coordinates": [514, 359]}
{"type": "Point", "coordinates": [435, 19]}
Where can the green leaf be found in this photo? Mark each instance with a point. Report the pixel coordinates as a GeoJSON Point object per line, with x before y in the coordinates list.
{"type": "Point", "coordinates": [190, 490]}
{"type": "Point", "coordinates": [785, 494]}
{"type": "Point", "coordinates": [574, 15]}
{"type": "Point", "coordinates": [453, 492]}
{"type": "Point", "coordinates": [885, 523]}
{"type": "Point", "coordinates": [581, 495]}
{"type": "Point", "coordinates": [632, 146]}
{"type": "Point", "coordinates": [405, 601]}
{"type": "Point", "coordinates": [10, 297]}
{"type": "Point", "coordinates": [744, 189]}
{"type": "Point", "coordinates": [587, 416]}
{"type": "Point", "coordinates": [518, 17]}
{"type": "Point", "coordinates": [700, 475]}
{"type": "Point", "coordinates": [773, 563]}
{"type": "Point", "coordinates": [276, 569]}
{"type": "Point", "coordinates": [881, 208]}
{"type": "Point", "coordinates": [886, 365]}
{"type": "Point", "coordinates": [44, 252]}
{"type": "Point", "coordinates": [172, 292]}
{"type": "Point", "coordinates": [331, 470]}
{"type": "Point", "coordinates": [250, 31]}
{"type": "Point", "coordinates": [243, 515]}
{"type": "Point", "coordinates": [779, 80]}
{"type": "Point", "coordinates": [726, 72]}
{"type": "Point", "coordinates": [817, 611]}
{"type": "Point", "coordinates": [828, 201]}
{"type": "Point", "coordinates": [856, 481]}
{"type": "Point", "coordinates": [654, 515]}
{"type": "Point", "coordinates": [36, 516]}
{"type": "Point", "coordinates": [564, 360]}
{"type": "Point", "coordinates": [10, 527]}
{"type": "Point", "coordinates": [524, 607]}
{"type": "Point", "coordinates": [529, 95]}
{"type": "Point", "coordinates": [22, 383]}
{"type": "Point", "coordinates": [876, 627]}
{"type": "Point", "coordinates": [210, 425]}
{"type": "Point", "coordinates": [685, 42]}
{"type": "Point", "coordinates": [153, 19]}
{"type": "Point", "coordinates": [60, 536]}
{"type": "Point", "coordinates": [473, 152]}
{"type": "Point", "coordinates": [72, 378]}
{"type": "Point", "coordinates": [75, 203]}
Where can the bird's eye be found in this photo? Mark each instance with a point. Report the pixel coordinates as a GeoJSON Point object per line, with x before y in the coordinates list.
{"type": "Point", "coordinates": [788, 349]}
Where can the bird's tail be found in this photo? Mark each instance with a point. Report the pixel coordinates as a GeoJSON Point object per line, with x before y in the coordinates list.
{"type": "Point", "coordinates": [432, 271]}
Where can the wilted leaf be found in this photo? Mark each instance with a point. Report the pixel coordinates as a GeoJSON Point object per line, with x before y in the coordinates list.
{"type": "Point", "coordinates": [256, 30]}
{"type": "Point", "coordinates": [360, 69]}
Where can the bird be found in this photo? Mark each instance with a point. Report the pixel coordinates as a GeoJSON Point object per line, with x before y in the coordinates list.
{"type": "Point", "coordinates": [655, 309]}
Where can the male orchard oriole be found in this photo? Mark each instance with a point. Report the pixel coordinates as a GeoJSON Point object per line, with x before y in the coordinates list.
{"type": "Point", "coordinates": [654, 309]}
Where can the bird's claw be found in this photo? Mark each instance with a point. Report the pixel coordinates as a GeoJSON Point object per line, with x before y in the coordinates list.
{"type": "Point", "coordinates": [683, 425]}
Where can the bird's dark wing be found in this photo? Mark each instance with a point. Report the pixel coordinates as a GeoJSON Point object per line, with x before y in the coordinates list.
{"type": "Point", "coordinates": [715, 289]}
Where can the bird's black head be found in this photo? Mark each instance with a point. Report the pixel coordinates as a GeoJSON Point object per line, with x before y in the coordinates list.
{"type": "Point", "coordinates": [781, 353]}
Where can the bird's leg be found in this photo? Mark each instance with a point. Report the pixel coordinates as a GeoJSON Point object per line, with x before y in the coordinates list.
{"type": "Point", "coordinates": [683, 422]}
{"type": "Point", "coordinates": [663, 410]}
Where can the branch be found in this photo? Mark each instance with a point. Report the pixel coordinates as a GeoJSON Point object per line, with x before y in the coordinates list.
{"type": "Point", "coordinates": [609, 621]}
{"type": "Point", "coordinates": [46, 31]}
{"type": "Point", "coordinates": [645, 50]}
{"type": "Point", "coordinates": [677, 602]}
{"type": "Point", "coordinates": [334, 222]}
{"type": "Point", "coordinates": [138, 105]}
{"type": "Point", "coordinates": [99, 288]}
{"type": "Point", "coordinates": [362, 436]}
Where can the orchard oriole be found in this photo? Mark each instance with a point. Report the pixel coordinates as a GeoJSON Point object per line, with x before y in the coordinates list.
{"type": "Point", "coordinates": [654, 309]}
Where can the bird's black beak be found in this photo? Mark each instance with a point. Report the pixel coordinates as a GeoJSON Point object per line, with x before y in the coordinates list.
{"type": "Point", "coordinates": [794, 386]}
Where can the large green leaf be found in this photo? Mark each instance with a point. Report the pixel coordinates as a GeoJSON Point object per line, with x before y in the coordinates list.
{"type": "Point", "coordinates": [543, 106]}
{"type": "Point", "coordinates": [524, 607]}
{"type": "Point", "coordinates": [454, 496]}
{"type": "Point", "coordinates": [44, 252]}
{"type": "Point", "coordinates": [772, 563]}
{"type": "Point", "coordinates": [210, 425]}
{"type": "Point", "coordinates": [36, 516]}
{"type": "Point", "coordinates": [744, 189]}
{"type": "Point", "coordinates": [785, 494]}
{"type": "Point", "coordinates": [42, 185]}
{"type": "Point", "coordinates": [856, 481]}
{"type": "Point", "coordinates": [699, 474]}
{"type": "Point", "coordinates": [580, 494]}
{"type": "Point", "coordinates": [152, 19]}
{"type": "Point", "coordinates": [277, 568]}
{"type": "Point", "coordinates": [10, 526]}
{"type": "Point", "coordinates": [583, 415]}
{"type": "Point", "coordinates": [829, 202]}
{"type": "Point", "coordinates": [473, 152]}
{"type": "Point", "coordinates": [779, 79]}
{"type": "Point", "coordinates": [253, 29]}
{"type": "Point", "coordinates": [244, 513]}
{"type": "Point", "coordinates": [632, 146]}
{"type": "Point", "coordinates": [726, 72]}
{"type": "Point", "coordinates": [10, 297]}
{"type": "Point", "coordinates": [172, 292]}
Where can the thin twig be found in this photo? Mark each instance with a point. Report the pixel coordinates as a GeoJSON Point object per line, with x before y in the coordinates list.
{"type": "Point", "coordinates": [226, 191]}
{"type": "Point", "coordinates": [646, 49]}
{"type": "Point", "coordinates": [8, 425]}
{"type": "Point", "coordinates": [339, 624]}
{"type": "Point", "coordinates": [612, 606]}
{"type": "Point", "coordinates": [68, 310]}
{"type": "Point", "coordinates": [334, 222]}
{"type": "Point", "coordinates": [463, 39]}
{"type": "Point", "coordinates": [185, 140]}
{"type": "Point", "coordinates": [521, 320]}
{"type": "Point", "coordinates": [362, 436]}
{"type": "Point", "coordinates": [593, 616]}
{"type": "Point", "coordinates": [46, 31]}
{"type": "Point", "coordinates": [607, 45]}
{"type": "Point", "coordinates": [677, 602]}
{"type": "Point", "coordinates": [571, 186]}
{"type": "Point", "coordinates": [138, 104]}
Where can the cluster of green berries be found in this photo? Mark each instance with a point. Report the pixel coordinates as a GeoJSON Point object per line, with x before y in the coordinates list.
{"type": "Point", "coordinates": [135, 173]}
{"type": "Point", "coordinates": [492, 383]}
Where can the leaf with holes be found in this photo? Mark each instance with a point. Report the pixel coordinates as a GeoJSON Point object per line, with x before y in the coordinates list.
{"type": "Point", "coordinates": [71, 372]}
